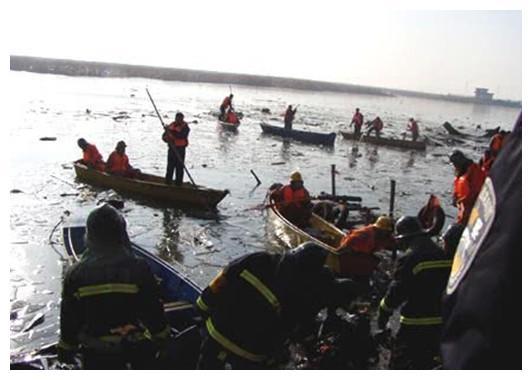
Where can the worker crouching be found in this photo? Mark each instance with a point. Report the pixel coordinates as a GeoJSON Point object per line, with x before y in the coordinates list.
{"type": "Point", "coordinates": [416, 288]}
{"type": "Point", "coordinates": [257, 301]}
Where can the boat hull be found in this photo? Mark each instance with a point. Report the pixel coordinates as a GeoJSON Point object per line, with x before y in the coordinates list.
{"type": "Point", "coordinates": [154, 188]}
{"type": "Point", "coordinates": [228, 126]}
{"type": "Point", "coordinates": [405, 144]}
{"type": "Point", "coordinates": [303, 136]}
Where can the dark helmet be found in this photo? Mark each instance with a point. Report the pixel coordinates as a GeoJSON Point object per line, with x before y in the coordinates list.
{"type": "Point", "coordinates": [457, 158]}
{"type": "Point", "coordinates": [452, 236]}
{"type": "Point", "coordinates": [408, 226]}
{"type": "Point", "coordinates": [309, 256]}
{"type": "Point", "coordinates": [82, 143]}
{"type": "Point", "coordinates": [106, 225]}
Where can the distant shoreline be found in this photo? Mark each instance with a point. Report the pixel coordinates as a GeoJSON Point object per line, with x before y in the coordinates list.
{"type": "Point", "coordinates": [116, 70]}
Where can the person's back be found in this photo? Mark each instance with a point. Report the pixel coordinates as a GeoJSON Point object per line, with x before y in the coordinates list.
{"type": "Point", "coordinates": [109, 300]}
{"type": "Point", "coordinates": [91, 156]}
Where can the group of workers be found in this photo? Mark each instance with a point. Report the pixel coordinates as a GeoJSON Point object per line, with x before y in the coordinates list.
{"type": "Point", "coordinates": [377, 125]}
{"type": "Point", "coordinates": [111, 310]}
{"type": "Point", "coordinates": [117, 163]}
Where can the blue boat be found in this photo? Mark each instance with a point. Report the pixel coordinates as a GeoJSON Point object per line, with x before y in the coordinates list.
{"type": "Point", "coordinates": [303, 136]}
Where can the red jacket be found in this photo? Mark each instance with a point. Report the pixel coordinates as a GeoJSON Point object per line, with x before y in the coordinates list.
{"type": "Point", "coordinates": [118, 163]}
{"type": "Point", "coordinates": [293, 197]}
{"type": "Point", "coordinates": [178, 134]}
{"type": "Point", "coordinates": [466, 189]}
{"type": "Point", "coordinates": [92, 157]}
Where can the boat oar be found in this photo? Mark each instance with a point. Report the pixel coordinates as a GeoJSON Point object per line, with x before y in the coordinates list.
{"type": "Point", "coordinates": [170, 145]}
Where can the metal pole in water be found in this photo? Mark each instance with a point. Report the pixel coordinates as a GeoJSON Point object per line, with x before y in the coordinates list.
{"type": "Point", "coordinates": [333, 179]}
{"type": "Point", "coordinates": [392, 206]}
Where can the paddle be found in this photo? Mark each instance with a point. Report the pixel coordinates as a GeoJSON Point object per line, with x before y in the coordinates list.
{"type": "Point", "coordinates": [170, 145]}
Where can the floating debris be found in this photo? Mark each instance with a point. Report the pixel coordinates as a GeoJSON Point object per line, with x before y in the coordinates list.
{"type": "Point", "coordinates": [35, 321]}
{"type": "Point", "coordinates": [48, 138]}
{"type": "Point", "coordinates": [278, 163]}
{"type": "Point", "coordinates": [16, 191]}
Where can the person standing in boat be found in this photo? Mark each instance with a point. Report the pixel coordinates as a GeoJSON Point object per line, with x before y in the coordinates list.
{"type": "Point", "coordinates": [289, 117]}
{"type": "Point", "coordinates": [413, 128]}
{"type": "Point", "coordinates": [176, 135]}
{"type": "Point", "coordinates": [91, 156]}
{"type": "Point", "coordinates": [357, 121]}
{"type": "Point", "coordinates": [260, 300]}
{"type": "Point", "coordinates": [293, 201]}
{"type": "Point", "coordinates": [226, 105]}
{"type": "Point", "coordinates": [468, 181]}
{"type": "Point", "coordinates": [118, 162]}
{"type": "Point", "coordinates": [417, 288]}
{"type": "Point", "coordinates": [375, 125]}
{"type": "Point", "coordinates": [111, 311]}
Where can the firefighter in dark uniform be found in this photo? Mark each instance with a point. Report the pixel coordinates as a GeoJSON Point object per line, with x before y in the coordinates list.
{"type": "Point", "coordinates": [416, 288]}
{"type": "Point", "coordinates": [110, 308]}
{"type": "Point", "coordinates": [257, 301]}
{"type": "Point", "coordinates": [483, 300]}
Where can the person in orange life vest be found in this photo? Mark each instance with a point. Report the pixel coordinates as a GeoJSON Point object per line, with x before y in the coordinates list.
{"type": "Point", "coordinates": [496, 144]}
{"type": "Point", "coordinates": [231, 117]}
{"type": "Point", "coordinates": [227, 103]}
{"type": "Point", "coordinates": [413, 128]}
{"type": "Point", "coordinates": [469, 178]}
{"type": "Point", "coordinates": [357, 121]}
{"type": "Point", "coordinates": [176, 135]}
{"type": "Point", "coordinates": [118, 162]}
{"type": "Point", "coordinates": [375, 125]}
{"type": "Point", "coordinates": [293, 201]}
{"type": "Point", "coordinates": [91, 157]}
{"type": "Point", "coordinates": [360, 246]}
{"type": "Point", "coordinates": [289, 117]}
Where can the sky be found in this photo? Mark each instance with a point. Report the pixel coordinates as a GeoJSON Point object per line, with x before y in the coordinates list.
{"type": "Point", "coordinates": [441, 51]}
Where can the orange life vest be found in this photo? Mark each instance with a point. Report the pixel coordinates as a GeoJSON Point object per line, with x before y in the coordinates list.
{"type": "Point", "coordinates": [232, 118]}
{"type": "Point", "coordinates": [227, 102]}
{"type": "Point", "coordinates": [118, 163]}
{"type": "Point", "coordinates": [92, 157]}
{"type": "Point", "coordinates": [363, 243]}
{"type": "Point", "coordinates": [174, 127]}
{"type": "Point", "coordinates": [293, 197]}
{"type": "Point", "coordinates": [496, 143]}
{"type": "Point", "coordinates": [358, 119]}
{"type": "Point", "coordinates": [378, 124]}
{"type": "Point", "coordinates": [466, 189]}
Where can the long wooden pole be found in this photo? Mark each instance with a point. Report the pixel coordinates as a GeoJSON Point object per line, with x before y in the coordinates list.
{"type": "Point", "coordinates": [392, 207]}
{"type": "Point", "coordinates": [170, 145]}
{"type": "Point", "coordinates": [333, 179]}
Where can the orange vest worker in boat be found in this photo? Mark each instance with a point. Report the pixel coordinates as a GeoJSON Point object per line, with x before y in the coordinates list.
{"type": "Point", "coordinates": [118, 162]}
{"type": "Point", "coordinates": [289, 117]}
{"type": "Point", "coordinates": [360, 244]}
{"type": "Point", "coordinates": [375, 125]}
{"type": "Point", "coordinates": [293, 201]}
{"type": "Point", "coordinates": [227, 103]}
{"type": "Point", "coordinates": [496, 144]}
{"type": "Point", "coordinates": [231, 117]}
{"type": "Point", "coordinates": [91, 157]}
{"type": "Point", "coordinates": [358, 120]}
{"type": "Point", "coordinates": [413, 128]}
{"type": "Point", "coordinates": [467, 184]}
{"type": "Point", "coordinates": [176, 135]}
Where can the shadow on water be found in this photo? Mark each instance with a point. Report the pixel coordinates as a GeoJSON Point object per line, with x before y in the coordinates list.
{"type": "Point", "coordinates": [168, 246]}
{"type": "Point", "coordinates": [226, 139]}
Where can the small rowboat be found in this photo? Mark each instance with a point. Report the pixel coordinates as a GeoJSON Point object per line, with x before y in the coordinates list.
{"type": "Point", "coordinates": [228, 126]}
{"type": "Point", "coordinates": [321, 232]}
{"type": "Point", "coordinates": [303, 136]}
{"type": "Point", "coordinates": [153, 188]}
{"type": "Point", "coordinates": [405, 144]}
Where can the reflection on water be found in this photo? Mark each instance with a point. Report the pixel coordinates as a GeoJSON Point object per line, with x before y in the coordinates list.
{"type": "Point", "coordinates": [168, 248]}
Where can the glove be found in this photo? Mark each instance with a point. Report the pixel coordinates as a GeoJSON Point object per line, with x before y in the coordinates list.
{"type": "Point", "coordinates": [383, 318]}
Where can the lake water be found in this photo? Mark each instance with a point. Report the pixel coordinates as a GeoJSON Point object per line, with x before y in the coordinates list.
{"type": "Point", "coordinates": [72, 107]}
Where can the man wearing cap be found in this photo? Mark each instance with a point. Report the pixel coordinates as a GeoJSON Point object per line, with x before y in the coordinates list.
{"type": "Point", "coordinates": [259, 300]}
{"type": "Point", "coordinates": [293, 201]}
{"type": "Point", "coordinates": [91, 156]}
{"type": "Point", "coordinates": [118, 162]}
{"type": "Point", "coordinates": [468, 181]}
{"type": "Point", "coordinates": [417, 288]}
{"type": "Point", "coordinates": [358, 248]}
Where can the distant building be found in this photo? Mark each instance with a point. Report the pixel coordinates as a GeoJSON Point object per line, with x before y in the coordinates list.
{"type": "Point", "coordinates": [482, 94]}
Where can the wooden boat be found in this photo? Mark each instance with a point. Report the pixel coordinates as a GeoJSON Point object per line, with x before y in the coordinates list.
{"type": "Point", "coordinates": [178, 293]}
{"type": "Point", "coordinates": [321, 232]}
{"type": "Point", "coordinates": [405, 144]}
{"type": "Point", "coordinates": [303, 136]}
{"type": "Point", "coordinates": [228, 126]}
{"type": "Point", "coordinates": [152, 187]}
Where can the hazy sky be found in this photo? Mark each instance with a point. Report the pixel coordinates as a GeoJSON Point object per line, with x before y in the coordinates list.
{"type": "Point", "coordinates": [435, 51]}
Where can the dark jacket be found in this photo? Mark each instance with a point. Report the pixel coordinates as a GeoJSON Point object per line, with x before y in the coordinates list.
{"type": "Point", "coordinates": [106, 290]}
{"type": "Point", "coordinates": [418, 283]}
{"type": "Point", "coordinates": [259, 320]}
{"type": "Point", "coordinates": [482, 305]}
